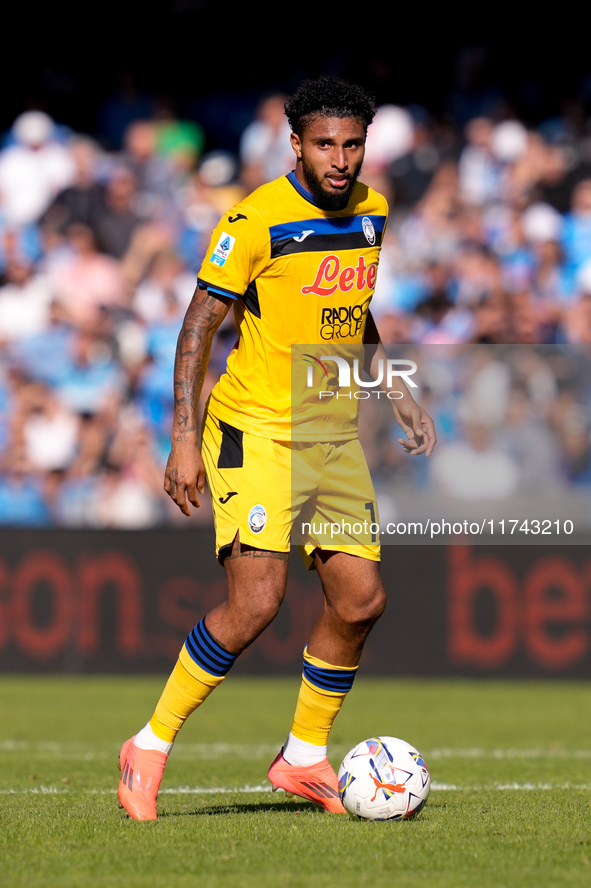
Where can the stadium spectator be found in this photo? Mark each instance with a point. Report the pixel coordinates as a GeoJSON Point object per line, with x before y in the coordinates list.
{"type": "Point", "coordinates": [154, 173]}
{"type": "Point", "coordinates": [117, 216]}
{"type": "Point", "coordinates": [479, 172]}
{"type": "Point", "coordinates": [128, 492]}
{"type": "Point", "coordinates": [34, 167]}
{"type": "Point", "coordinates": [25, 300]}
{"type": "Point", "coordinates": [165, 291]}
{"type": "Point", "coordinates": [91, 379]}
{"type": "Point", "coordinates": [265, 152]}
{"type": "Point", "coordinates": [49, 431]}
{"type": "Point", "coordinates": [475, 468]}
{"type": "Point", "coordinates": [181, 142]}
{"type": "Point", "coordinates": [89, 282]}
{"type": "Point", "coordinates": [22, 499]}
{"type": "Point", "coordinates": [412, 171]}
{"type": "Point", "coordinates": [390, 137]}
{"type": "Point", "coordinates": [576, 231]}
{"type": "Point", "coordinates": [82, 199]}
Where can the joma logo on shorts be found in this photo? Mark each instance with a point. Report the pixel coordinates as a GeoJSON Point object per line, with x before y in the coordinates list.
{"type": "Point", "coordinates": [345, 279]}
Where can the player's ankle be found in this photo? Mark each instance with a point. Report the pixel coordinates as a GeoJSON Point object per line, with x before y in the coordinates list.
{"type": "Point", "coordinates": [147, 739]}
{"type": "Point", "coordinates": [302, 754]}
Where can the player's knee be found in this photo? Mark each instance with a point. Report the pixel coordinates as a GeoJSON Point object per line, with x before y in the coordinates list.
{"type": "Point", "coordinates": [248, 618]}
{"type": "Point", "coordinates": [373, 608]}
{"type": "Point", "coordinates": [363, 608]}
{"type": "Point", "coordinates": [259, 607]}
{"type": "Point", "coordinates": [265, 608]}
{"type": "Point", "coordinates": [378, 603]}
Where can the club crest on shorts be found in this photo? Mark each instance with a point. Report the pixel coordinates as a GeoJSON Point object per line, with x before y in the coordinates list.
{"type": "Point", "coordinates": [257, 518]}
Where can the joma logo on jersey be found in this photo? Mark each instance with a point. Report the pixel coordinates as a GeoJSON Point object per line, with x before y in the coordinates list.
{"type": "Point", "coordinates": [345, 279]}
{"type": "Point", "coordinates": [340, 322]}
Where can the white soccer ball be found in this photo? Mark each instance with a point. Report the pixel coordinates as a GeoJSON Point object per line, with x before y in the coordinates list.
{"type": "Point", "coordinates": [384, 778]}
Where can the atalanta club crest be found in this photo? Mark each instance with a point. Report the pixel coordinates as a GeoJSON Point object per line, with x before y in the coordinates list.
{"type": "Point", "coordinates": [368, 230]}
{"type": "Point", "coordinates": [257, 518]}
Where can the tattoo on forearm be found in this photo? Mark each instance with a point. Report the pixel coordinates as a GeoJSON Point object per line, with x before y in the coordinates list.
{"type": "Point", "coordinates": [203, 317]}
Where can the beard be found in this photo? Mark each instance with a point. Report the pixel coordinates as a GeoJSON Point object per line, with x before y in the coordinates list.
{"type": "Point", "coordinates": [328, 200]}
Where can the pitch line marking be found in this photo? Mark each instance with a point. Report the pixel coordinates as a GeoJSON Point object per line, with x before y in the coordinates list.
{"type": "Point", "coordinates": [266, 788]}
{"type": "Point", "coordinates": [83, 751]}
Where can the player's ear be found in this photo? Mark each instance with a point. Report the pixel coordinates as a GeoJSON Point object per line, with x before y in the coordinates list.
{"type": "Point", "coordinates": [296, 144]}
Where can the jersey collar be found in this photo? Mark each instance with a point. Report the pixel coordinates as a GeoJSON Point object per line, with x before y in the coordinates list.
{"type": "Point", "coordinates": [307, 195]}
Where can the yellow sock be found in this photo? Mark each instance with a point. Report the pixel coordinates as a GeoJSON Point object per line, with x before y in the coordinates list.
{"type": "Point", "coordinates": [323, 689]}
{"type": "Point", "coordinates": [182, 695]}
{"type": "Point", "coordinates": [189, 683]}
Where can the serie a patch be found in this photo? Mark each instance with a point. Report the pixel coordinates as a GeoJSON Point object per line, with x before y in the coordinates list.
{"type": "Point", "coordinates": [222, 249]}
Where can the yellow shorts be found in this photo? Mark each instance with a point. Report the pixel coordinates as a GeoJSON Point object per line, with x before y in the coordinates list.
{"type": "Point", "coordinates": [275, 493]}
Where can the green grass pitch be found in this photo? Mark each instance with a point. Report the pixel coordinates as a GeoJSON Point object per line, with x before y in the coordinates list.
{"type": "Point", "coordinates": [510, 803]}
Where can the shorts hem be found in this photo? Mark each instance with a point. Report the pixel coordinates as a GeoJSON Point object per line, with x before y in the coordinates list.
{"type": "Point", "coordinates": [307, 551]}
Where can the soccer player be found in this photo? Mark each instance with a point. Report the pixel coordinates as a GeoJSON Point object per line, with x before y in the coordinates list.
{"type": "Point", "coordinates": [297, 261]}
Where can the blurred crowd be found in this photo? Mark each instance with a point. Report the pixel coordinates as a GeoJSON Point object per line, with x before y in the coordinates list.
{"type": "Point", "coordinates": [513, 425]}
{"type": "Point", "coordinates": [489, 243]}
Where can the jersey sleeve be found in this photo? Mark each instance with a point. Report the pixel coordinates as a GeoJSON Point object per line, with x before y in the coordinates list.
{"type": "Point", "coordinates": [385, 210]}
{"type": "Point", "coordinates": [239, 249]}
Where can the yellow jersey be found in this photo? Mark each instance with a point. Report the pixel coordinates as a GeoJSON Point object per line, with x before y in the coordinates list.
{"type": "Point", "coordinates": [298, 275]}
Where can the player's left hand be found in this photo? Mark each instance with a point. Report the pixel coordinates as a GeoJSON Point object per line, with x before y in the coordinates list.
{"type": "Point", "coordinates": [417, 425]}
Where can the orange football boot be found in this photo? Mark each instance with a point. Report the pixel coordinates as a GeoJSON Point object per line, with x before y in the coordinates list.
{"type": "Point", "coordinates": [316, 783]}
{"type": "Point", "coordinates": [141, 773]}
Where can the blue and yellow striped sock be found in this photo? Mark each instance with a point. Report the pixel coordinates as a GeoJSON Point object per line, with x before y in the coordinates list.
{"type": "Point", "coordinates": [202, 665]}
{"type": "Point", "coordinates": [323, 689]}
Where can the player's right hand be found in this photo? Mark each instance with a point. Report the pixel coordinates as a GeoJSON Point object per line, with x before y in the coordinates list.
{"type": "Point", "coordinates": [185, 476]}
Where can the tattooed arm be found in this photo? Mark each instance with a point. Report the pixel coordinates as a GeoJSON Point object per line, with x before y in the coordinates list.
{"type": "Point", "coordinates": [185, 473]}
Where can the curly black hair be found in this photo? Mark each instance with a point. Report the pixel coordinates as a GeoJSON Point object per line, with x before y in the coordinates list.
{"type": "Point", "coordinates": [328, 97]}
